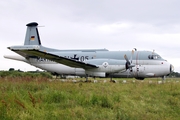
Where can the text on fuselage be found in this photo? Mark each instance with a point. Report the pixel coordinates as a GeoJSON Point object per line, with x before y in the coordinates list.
{"type": "Point", "coordinates": [78, 58]}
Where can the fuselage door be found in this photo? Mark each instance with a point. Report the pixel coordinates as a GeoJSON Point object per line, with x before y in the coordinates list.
{"type": "Point", "coordinates": [138, 69]}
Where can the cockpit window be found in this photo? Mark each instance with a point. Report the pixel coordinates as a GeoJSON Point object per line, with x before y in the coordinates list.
{"type": "Point", "coordinates": [154, 57]}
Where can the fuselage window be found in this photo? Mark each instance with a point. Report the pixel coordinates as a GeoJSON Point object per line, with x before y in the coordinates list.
{"type": "Point", "coordinates": [154, 57]}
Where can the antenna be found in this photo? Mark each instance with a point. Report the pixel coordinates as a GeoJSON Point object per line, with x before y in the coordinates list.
{"type": "Point", "coordinates": [41, 26]}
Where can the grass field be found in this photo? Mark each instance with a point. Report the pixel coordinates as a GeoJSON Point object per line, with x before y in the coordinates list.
{"type": "Point", "coordinates": [27, 98]}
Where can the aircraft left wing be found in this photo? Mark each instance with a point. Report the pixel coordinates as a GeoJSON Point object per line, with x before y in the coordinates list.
{"type": "Point", "coordinates": [53, 57]}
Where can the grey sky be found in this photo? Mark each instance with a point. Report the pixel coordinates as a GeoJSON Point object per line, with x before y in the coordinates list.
{"type": "Point", "coordinates": [78, 24]}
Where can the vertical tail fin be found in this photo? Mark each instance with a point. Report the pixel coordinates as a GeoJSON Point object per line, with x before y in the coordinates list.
{"type": "Point", "coordinates": [32, 34]}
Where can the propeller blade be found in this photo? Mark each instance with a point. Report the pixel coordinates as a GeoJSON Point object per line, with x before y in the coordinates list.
{"type": "Point", "coordinates": [128, 64]}
{"type": "Point", "coordinates": [132, 55]}
{"type": "Point", "coordinates": [125, 57]}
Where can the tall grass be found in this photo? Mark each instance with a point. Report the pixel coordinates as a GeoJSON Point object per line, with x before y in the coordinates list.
{"type": "Point", "coordinates": [41, 99]}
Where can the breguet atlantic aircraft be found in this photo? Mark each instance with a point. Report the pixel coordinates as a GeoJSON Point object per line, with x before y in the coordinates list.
{"type": "Point", "coordinates": [89, 62]}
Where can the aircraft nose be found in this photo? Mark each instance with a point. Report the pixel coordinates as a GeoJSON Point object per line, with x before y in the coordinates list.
{"type": "Point", "coordinates": [171, 68]}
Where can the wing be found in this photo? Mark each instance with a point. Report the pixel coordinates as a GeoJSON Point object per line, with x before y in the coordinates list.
{"type": "Point", "coordinates": [56, 58]}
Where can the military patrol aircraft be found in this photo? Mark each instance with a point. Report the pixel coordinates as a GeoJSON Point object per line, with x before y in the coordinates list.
{"type": "Point", "coordinates": [89, 62]}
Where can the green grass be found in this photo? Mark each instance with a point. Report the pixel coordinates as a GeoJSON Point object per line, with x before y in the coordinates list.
{"type": "Point", "coordinates": [27, 98]}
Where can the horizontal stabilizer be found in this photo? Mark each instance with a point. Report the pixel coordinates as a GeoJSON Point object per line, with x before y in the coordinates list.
{"type": "Point", "coordinates": [24, 47]}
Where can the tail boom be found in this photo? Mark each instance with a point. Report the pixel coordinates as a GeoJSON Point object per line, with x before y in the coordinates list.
{"type": "Point", "coordinates": [13, 57]}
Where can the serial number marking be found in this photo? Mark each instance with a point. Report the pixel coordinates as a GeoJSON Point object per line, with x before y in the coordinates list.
{"type": "Point", "coordinates": [80, 58]}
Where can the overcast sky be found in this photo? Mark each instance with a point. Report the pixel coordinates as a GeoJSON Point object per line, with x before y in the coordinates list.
{"type": "Point", "coordinates": [84, 24]}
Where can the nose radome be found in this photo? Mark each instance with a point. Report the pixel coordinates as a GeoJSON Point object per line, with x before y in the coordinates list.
{"type": "Point", "coordinates": [171, 68]}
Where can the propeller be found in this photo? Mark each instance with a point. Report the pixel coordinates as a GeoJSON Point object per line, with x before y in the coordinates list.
{"type": "Point", "coordinates": [129, 64]}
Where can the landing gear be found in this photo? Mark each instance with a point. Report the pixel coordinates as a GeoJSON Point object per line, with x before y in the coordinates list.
{"type": "Point", "coordinates": [111, 80]}
{"type": "Point", "coordinates": [139, 78]}
{"type": "Point", "coordinates": [163, 79]}
{"type": "Point", "coordinates": [87, 78]}
{"type": "Point", "coordinates": [109, 76]}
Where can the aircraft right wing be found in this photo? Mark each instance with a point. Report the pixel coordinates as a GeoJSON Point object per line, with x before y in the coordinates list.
{"type": "Point", "coordinates": [53, 57]}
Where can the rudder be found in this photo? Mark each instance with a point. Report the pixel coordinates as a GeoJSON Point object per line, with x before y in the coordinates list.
{"type": "Point", "coordinates": [32, 34]}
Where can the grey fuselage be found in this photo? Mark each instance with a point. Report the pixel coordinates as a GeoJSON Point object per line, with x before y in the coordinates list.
{"type": "Point", "coordinates": [147, 64]}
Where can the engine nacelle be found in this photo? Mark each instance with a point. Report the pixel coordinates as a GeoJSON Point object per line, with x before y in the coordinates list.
{"type": "Point", "coordinates": [107, 65]}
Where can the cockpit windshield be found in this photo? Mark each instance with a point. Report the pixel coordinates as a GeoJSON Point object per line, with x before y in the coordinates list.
{"type": "Point", "coordinates": [154, 57]}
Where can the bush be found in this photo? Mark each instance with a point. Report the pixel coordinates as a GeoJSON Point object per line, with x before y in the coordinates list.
{"type": "Point", "coordinates": [14, 74]}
